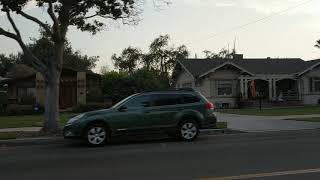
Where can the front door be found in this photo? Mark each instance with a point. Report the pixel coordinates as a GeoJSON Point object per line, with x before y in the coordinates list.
{"type": "Point", "coordinates": [68, 94]}
{"type": "Point", "coordinates": [130, 115]}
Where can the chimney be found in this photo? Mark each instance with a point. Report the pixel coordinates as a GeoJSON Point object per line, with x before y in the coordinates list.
{"type": "Point", "coordinates": [238, 56]}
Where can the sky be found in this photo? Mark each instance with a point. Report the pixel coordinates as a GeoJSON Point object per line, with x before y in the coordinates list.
{"type": "Point", "coordinates": [200, 25]}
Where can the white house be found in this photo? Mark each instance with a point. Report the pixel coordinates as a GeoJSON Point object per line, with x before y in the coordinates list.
{"type": "Point", "coordinates": [227, 81]}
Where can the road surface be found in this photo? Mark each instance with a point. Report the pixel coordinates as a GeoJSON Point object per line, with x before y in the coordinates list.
{"type": "Point", "coordinates": [272, 155]}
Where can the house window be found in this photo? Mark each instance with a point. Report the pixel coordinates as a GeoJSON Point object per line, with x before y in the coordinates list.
{"type": "Point", "coordinates": [224, 88]}
{"type": "Point", "coordinates": [22, 92]}
{"type": "Point", "coordinates": [316, 84]}
{"type": "Point", "coordinates": [31, 92]}
{"type": "Point", "coordinates": [187, 85]}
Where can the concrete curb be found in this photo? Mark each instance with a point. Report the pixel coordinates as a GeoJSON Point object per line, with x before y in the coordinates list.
{"type": "Point", "coordinates": [60, 140]}
{"type": "Point", "coordinates": [218, 131]}
{"type": "Point", "coordinates": [32, 141]}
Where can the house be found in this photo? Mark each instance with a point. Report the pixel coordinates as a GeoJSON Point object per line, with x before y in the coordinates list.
{"type": "Point", "coordinates": [25, 86]}
{"type": "Point", "coordinates": [228, 81]}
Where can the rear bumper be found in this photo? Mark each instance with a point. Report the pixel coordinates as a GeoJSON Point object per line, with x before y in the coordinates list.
{"type": "Point", "coordinates": [209, 123]}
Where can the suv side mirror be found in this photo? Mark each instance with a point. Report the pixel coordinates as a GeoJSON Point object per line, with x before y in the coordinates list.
{"type": "Point", "coordinates": [122, 109]}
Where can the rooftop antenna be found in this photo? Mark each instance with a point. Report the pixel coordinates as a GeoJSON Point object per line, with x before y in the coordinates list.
{"type": "Point", "coordinates": [234, 45]}
{"type": "Point", "coordinates": [195, 56]}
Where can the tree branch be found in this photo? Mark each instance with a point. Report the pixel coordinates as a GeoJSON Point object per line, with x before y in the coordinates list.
{"type": "Point", "coordinates": [34, 19]}
{"type": "Point", "coordinates": [56, 22]}
{"type": "Point", "coordinates": [105, 16]}
{"type": "Point", "coordinates": [52, 15]}
{"type": "Point", "coordinates": [13, 24]}
{"type": "Point", "coordinates": [8, 34]}
{"type": "Point", "coordinates": [39, 66]}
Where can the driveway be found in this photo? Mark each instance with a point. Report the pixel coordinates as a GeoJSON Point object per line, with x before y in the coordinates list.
{"type": "Point", "coordinates": [266, 123]}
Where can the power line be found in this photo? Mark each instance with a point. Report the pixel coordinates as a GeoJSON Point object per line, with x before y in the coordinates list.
{"type": "Point", "coordinates": [253, 22]}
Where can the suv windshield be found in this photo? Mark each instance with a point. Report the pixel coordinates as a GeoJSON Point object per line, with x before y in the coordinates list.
{"type": "Point", "coordinates": [122, 101]}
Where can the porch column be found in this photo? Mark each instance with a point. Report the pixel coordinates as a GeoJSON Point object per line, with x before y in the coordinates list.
{"type": "Point", "coordinates": [270, 89]}
{"type": "Point", "coordinates": [241, 88]}
{"type": "Point", "coordinates": [299, 88]}
{"type": "Point", "coordinates": [246, 89]}
{"type": "Point", "coordinates": [81, 88]}
{"type": "Point", "coordinates": [274, 89]}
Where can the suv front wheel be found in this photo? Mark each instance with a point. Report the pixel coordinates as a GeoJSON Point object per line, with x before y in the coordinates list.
{"type": "Point", "coordinates": [188, 130]}
{"type": "Point", "coordinates": [97, 135]}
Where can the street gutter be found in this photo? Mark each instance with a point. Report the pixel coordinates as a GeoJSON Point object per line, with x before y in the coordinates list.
{"type": "Point", "coordinates": [60, 140]}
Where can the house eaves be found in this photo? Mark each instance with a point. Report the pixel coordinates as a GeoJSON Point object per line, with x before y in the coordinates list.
{"type": "Point", "coordinates": [309, 68]}
{"type": "Point", "coordinates": [186, 69]}
{"type": "Point", "coordinates": [224, 64]}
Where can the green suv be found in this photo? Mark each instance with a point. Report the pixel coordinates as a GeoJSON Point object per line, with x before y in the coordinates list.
{"type": "Point", "coordinates": [179, 112]}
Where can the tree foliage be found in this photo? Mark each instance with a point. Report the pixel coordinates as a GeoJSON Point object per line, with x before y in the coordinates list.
{"type": "Point", "coordinates": [128, 60]}
{"type": "Point", "coordinates": [223, 54]}
{"type": "Point", "coordinates": [161, 57]}
{"type": "Point", "coordinates": [7, 63]}
{"type": "Point", "coordinates": [317, 44]}
{"type": "Point", "coordinates": [119, 85]}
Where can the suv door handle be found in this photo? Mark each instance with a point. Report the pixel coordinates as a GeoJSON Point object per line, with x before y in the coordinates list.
{"type": "Point", "coordinates": [147, 112]}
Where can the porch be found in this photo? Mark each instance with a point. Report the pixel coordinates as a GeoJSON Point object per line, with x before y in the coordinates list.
{"type": "Point", "coordinates": [271, 88]}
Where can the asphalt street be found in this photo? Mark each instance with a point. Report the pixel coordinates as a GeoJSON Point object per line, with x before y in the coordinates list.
{"type": "Point", "coordinates": [272, 155]}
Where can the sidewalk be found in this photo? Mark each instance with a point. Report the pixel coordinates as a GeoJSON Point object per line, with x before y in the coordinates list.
{"type": "Point", "coordinates": [267, 123]}
{"type": "Point", "coordinates": [23, 129]}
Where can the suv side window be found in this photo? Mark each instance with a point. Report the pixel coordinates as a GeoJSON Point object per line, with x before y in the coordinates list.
{"type": "Point", "coordinates": [166, 99]}
{"type": "Point", "coordinates": [189, 98]}
{"type": "Point", "coordinates": [138, 102]}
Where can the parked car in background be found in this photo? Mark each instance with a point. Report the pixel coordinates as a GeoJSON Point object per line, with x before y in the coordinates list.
{"type": "Point", "coordinates": [179, 112]}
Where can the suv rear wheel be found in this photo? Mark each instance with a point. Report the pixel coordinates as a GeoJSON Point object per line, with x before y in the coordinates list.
{"type": "Point", "coordinates": [188, 130]}
{"type": "Point", "coordinates": [97, 135]}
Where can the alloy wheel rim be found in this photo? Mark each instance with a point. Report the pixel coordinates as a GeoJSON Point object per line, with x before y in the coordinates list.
{"type": "Point", "coordinates": [96, 135]}
{"type": "Point", "coordinates": [189, 130]}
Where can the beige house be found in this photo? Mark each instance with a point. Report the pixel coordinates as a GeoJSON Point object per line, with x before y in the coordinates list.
{"type": "Point", "coordinates": [226, 82]}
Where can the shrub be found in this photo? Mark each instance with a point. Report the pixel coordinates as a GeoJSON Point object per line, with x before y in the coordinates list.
{"type": "Point", "coordinates": [89, 107]}
{"type": "Point", "coordinates": [18, 109]}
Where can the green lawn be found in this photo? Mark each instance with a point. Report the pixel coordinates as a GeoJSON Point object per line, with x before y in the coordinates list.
{"type": "Point", "coordinates": [29, 120]}
{"type": "Point", "coordinates": [8, 135]}
{"type": "Point", "coordinates": [281, 111]}
{"type": "Point", "coordinates": [314, 119]}
{"type": "Point", "coordinates": [222, 125]}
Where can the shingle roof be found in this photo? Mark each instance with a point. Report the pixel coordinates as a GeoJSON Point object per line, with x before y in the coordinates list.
{"type": "Point", "coordinates": [198, 67]}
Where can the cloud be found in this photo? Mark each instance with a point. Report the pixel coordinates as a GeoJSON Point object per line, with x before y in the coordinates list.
{"type": "Point", "coordinates": [271, 6]}
{"type": "Point", "coordinates": [225, 4]}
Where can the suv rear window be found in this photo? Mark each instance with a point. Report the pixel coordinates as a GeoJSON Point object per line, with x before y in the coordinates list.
{"type": "Point", "coordinates": [172, 99]}
{"type": "Point", "coordinates": [189, 98]}
{"type": "Point", "coordinates": [166, 99]}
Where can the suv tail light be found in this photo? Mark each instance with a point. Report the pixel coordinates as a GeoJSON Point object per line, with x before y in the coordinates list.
{"type": "Point", "coordinates": [209, 105]}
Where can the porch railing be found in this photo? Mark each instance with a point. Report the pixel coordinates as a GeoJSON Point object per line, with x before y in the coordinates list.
{"type": "Point", "coordinates": [290, 95]}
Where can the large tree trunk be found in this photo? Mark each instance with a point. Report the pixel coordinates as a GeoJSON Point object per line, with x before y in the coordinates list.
{"type": "Point", "coordinates": [51, 115]}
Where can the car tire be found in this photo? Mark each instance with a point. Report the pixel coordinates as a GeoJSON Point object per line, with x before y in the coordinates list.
{"type": "Point", "coordinates": [97, 135]}
{"type": "Point", "coordinates": [188, 130]}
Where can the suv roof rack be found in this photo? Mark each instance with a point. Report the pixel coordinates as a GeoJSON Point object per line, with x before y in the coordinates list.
{"type": "Point", "coordinates": [172, 89]}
